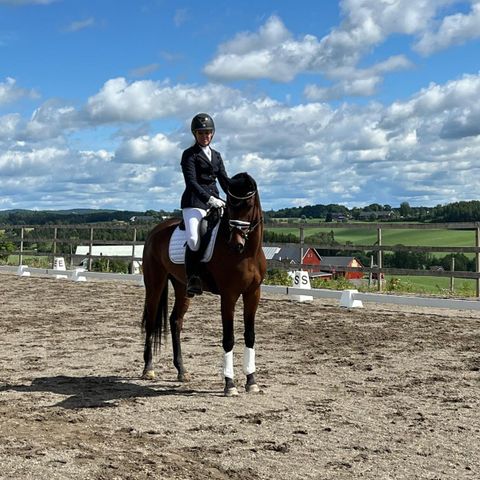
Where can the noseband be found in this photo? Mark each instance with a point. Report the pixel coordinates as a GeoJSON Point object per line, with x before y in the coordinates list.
{"type": "Point", "coordinates": [244, 228]}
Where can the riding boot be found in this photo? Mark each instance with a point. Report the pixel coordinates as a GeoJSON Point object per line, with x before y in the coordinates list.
{"type": "Point", "coordinates": [192, 268]}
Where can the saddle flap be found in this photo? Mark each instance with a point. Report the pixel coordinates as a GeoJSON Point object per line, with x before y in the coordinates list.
{"type": "Point", "coordinates": [178, 241]}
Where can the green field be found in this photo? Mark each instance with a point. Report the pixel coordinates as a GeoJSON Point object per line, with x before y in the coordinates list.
{"type": "Point", "coordinates": [368, 236]}
{"type": "Point", "coordinates": [436, 285]}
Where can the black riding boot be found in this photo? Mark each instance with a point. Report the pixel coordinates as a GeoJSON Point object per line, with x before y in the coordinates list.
{"type": "Point", "coordinates": [192, 268]}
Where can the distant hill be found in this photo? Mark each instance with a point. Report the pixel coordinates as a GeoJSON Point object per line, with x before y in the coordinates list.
{"type": "Point", "coordinates": [72, 216]}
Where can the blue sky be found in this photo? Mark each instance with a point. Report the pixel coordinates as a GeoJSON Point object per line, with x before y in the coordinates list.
{"type": "Point", "coordinates": [351, 102]}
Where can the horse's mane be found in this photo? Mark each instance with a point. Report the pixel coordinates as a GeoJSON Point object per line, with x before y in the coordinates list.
{"type": "Point", "coordinates": [242, 185]}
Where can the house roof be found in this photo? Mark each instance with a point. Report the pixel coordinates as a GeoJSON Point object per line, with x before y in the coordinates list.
{"type": "Point", "coordinates": [289, 252]}
{"type": "Point", "coordinates": [270, 252]}
{"type": "Point", "coordinates": [336, 261]}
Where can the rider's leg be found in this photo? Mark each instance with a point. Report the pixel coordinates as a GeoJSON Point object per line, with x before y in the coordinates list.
{"type": "Point", "coordinates": [192, 218]}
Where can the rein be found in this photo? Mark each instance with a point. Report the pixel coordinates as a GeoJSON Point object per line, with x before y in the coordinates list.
{"type": "Point", "coordinates": [244, 228]}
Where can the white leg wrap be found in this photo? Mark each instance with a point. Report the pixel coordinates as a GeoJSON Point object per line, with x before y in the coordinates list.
{"type": "Point", "coordinates": [228, 364]}
{"type": "Point", "coordinates": [248, 361]}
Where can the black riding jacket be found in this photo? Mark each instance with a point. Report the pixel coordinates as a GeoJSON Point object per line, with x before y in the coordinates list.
{"type": "Point", "coordinates": [200, 177]}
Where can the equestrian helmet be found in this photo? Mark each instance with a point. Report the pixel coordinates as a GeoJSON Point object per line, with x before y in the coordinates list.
{"type": "Point", "coordinates": [202, 121]}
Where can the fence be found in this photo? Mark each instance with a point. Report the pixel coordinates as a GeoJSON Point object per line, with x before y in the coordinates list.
{"type": "Point", "coordinates": [379, 248]}
{"type": "Point", "coordinates": [21, 236]}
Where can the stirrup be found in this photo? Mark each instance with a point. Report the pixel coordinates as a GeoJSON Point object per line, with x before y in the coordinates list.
{"type": "Point", "coordinates": [194, 286]}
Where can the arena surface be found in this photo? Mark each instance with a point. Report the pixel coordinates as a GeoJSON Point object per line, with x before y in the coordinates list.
{"type": "Point", "coordinates": [375, 393]}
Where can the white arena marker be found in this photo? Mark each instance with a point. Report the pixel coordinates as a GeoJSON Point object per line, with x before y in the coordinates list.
{"type": "Point", "coordinates": [59, 264]}
{"type": "Point", "coordinates": [22, 271]}
{"type": "Point", "coordinates": [347, 299]}
{"type": "Point", "coordinates": [301, 280]}
{"type": "Point", "coordinates": [77, 275]}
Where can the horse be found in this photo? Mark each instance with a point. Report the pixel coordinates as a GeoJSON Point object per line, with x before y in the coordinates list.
{"type": "Point", "coordinates": [237, 268]}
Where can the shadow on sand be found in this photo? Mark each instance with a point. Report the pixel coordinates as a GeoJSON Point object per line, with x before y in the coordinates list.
{"type": "Point", "coordinates": [99, 392]}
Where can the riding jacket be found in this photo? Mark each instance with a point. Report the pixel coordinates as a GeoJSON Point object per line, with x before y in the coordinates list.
{"type": "Point", "coordinates": [200, 175]}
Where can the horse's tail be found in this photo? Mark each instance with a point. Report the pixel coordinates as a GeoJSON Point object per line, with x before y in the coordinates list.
{"type": "Point", "coordinates": [161, 319]}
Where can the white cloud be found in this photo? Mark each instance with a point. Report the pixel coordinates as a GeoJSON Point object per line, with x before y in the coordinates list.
{"type": "Point", "coordinates": [269, 35]}
{"type": "Point", "coordinates": [180, 17]}
{"type": "Point", "coordinates": [144, 70]}
{"type": "Point", "coordinates": [356, 82]}
{"type": "Point", "coordinates": [119, 101]}
{"type": "Point", "coordinates": [9, 125]}
{"type": "Point", "coordinates": [148, 150]}
{"type": "Point", "coordinates": [453, 30]}
{"type": "Point", "coordinates": [78, 25]}
{"type": "Point", "coordinates": [27, 2]}
{"type": "Point", "coordinates": [273, 53]}
{"type": "Point", "coordinates": [10, 92]}
{"type": "Point", "coordinates": [30, 163]}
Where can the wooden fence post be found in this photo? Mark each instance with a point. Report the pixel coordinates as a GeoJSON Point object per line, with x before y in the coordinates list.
{"type": "Point", "coordinates": [20, 256]}
{"type": "Point", "coordinates": [55, 231]}
{"type": "Point", "coordinates": [302, 244]}
{"type": "Point", "coordinates": [379, 258]}
{"type": "Point", "coordinates": [477, 259]}
{"type": "Point", "coordinates": [90, 249]}
{"type": "Point", "coordinates": [452, 279]}
{"type": "Point", "coordinates": [132, 267]}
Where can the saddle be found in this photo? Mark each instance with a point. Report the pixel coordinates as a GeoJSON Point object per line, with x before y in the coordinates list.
{"type": "Point", "coordinates": [208, 229]}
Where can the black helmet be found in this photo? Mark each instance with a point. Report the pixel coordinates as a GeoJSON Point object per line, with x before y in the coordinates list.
{"type": "Point", "coordinates": [202, 121]}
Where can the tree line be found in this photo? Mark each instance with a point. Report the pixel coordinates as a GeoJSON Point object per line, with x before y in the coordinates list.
{"type": "Point", "coordinates": [465, 211]}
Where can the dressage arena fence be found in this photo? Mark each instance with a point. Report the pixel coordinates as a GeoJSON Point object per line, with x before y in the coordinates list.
{"type": "Point", "coordinates": [47, 241]}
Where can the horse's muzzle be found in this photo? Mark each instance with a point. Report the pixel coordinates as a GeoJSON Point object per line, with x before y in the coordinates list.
{"type": "Point", "coordinates": [237, 241]}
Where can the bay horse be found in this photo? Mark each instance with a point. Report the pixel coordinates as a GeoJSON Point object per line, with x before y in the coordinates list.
{"type": "Point", "coordinates": [237, 267]}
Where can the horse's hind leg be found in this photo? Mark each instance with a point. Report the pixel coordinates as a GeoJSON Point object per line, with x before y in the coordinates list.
{"type": "Point", "coordinates": [155, 291]}
{"type": "Point", "coordinates": [250, 305]}
{"type": "Point", "coordinates": [180, 308]}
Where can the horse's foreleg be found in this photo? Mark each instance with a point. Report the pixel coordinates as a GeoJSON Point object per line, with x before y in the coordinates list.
{"type": "Point", "coordinates": [250, 305]}
{"type": "Point", "coordinates": [227, 309]}
{"type": "Point", "coordinates": [180, 308]}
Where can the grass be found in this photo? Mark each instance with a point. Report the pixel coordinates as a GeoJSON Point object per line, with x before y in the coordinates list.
{"type": "Point", "coordinates": [431, 285]}
{"type": "Point", "coordinates": [368, 236]}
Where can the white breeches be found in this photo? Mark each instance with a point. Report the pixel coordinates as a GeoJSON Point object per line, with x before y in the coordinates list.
{"type": "Point", "coordinates": [192, 217]}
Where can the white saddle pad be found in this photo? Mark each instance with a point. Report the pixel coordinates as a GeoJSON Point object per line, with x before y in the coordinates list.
{"type": "Point", "coordinates": [176, 248]}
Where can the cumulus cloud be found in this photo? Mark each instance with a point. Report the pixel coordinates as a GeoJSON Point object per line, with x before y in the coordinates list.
{"type": "Point", "coordinates": [356, 82]}
{"type": "Point", "coordinates": [446, 110]}
{"type": "Point", "coordinates": [30, 163]}
{"type": "Point", "coordinates": [10, 92]}
{"type": "Point", "coordinates": [148, 150]}
{"type": "Point", "coordinates": [453, 30]}
{"type": "Point", "coordinates": [272, 52]}
{"type": "Point", "coordinates": [119, 101]}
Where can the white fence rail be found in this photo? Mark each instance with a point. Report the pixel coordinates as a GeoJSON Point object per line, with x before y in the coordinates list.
{"type": "Point", "coordinates": [355, 298]}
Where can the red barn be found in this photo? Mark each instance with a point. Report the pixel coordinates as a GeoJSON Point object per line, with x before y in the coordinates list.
{"type": "Point", "coordinates": [335, 265]}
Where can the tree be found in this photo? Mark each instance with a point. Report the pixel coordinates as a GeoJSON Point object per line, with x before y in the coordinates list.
{"type": "Point", "coordinates": [6, 248]}
{"type": "Point", "coordinates": [405, 209]}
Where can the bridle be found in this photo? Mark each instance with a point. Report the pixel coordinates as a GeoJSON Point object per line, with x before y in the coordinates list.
{"type": "Point", "coordinates": [244, 228]}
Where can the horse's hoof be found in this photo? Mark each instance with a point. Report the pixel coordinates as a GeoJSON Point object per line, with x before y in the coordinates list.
{"type": "Point", "coordinates": [253, 388]}
{"type": "Point", "coordinates": [231, 392]}
{"type": "Point", "coordinates": [184, 377]}
{"type": "Point", "coordinates": [148, 375]}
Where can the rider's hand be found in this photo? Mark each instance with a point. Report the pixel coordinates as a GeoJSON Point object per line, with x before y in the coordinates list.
{"type": "Point", "coordinates": [215, 202]}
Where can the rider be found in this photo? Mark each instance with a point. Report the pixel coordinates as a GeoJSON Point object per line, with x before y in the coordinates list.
{"type": "Point", "coordinates": [201, 166]}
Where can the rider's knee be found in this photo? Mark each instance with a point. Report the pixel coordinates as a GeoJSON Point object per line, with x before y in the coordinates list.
{"type": "Point", "coordinates": [193, 243]}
